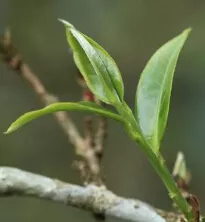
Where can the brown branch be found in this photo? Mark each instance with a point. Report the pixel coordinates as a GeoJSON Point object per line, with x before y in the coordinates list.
{"type": "Point", "coordinates": [13, 59]}
{"type": "Point", "coordinates": [83, 146]}
{"type": "Point", "coordinates": [98, 200]}
{"type": "Point", "coordinates": [62, 118]}
{"type": "Point", "coordinates": [90, 166]}
{"type": "Point", "coordinates": [100, 137]}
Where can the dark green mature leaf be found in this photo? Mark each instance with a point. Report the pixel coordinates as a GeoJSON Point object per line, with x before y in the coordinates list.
{"type": "Point", "coordinates": [63, 106]}
{"type": "Point", "coordinates": [98, 68]}
{"type": "Point", "coordinates": [154, 90]}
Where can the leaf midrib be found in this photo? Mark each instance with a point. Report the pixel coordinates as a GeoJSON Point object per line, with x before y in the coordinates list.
{"type": "Point", "coordinates": [160, 98]}
{"type": "Point", "coordinates": [96, 69]}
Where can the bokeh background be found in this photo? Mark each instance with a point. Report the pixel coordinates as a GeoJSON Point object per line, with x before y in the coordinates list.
{"type": "Point", "coordinates": [131, 31]}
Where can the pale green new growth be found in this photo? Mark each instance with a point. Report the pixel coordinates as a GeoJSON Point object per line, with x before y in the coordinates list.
{"type": "Point", "coordinates": [103, 78]}
{"type": "Point", "coordinates": [97, 67]}
{"type": "Point", "coordinates": [180, 168]}
{"type": "Point", "coordinates": [68, 24]}
{"type": "Point", "coordinates": [154, 90]}
{"type": "Point", "coordinates": [63, 106]}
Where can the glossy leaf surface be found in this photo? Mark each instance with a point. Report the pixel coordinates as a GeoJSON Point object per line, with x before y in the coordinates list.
{"type": "Point", "coordinates": [97, 67]}
{"type": "Point", "coordinates": [154, 90]}
{"type": "Point", "coordinates": [62, 106]}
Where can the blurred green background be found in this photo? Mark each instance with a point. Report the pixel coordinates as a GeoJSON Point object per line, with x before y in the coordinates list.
{"type": "Point", "coordinates": [131, 31]}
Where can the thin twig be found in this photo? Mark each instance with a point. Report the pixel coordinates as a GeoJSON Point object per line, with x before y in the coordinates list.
{"type": "Point", "coordinates": [90, 166]}
{"type": "Point", "coordinates": [13, 59]}
{"type": "Point", "coordinates": [100, 137]}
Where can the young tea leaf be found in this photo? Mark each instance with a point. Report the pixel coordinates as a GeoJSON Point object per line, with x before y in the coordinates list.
{"type": "Point", "coordinates": [63, 106]}
{"type": "Point", "coordinates": [98, 68]}
{"type": "Point", "coordinates": [154, 90]}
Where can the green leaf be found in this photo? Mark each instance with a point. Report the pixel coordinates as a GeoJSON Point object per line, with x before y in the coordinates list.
{"type": "Point", "coordinates": [154, 90]}
{"type": "Point", "coordinates": [63, 106]}
{"type": "Point", "coordinates": [98, 68]}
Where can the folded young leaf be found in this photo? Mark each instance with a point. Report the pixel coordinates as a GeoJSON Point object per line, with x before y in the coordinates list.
{"type": "Point", "coordinates": [154, 90]}
{"type": "Point", "coordinates": [98, 68]}
{"type": "Point", "coordinates": [180, 168]}
{"type": "Point", "coordinates": [63, 106]}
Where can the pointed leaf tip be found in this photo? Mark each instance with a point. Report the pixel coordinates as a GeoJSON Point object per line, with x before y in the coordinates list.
{"type": "Point", "coordinates": [11, 129]}
{"type": "Point", "coordinates": [97, 67]}
{"type": "Point", "coordinates": [154, 90]}
{"type": "Point", "coordinates": [7, 132]}
{"type": "Point", "coordinates": [66, 106]}
{"type": "Point", "coordinates": [188, 30]}
{"type": "Point", "coordinates": [67, 24]}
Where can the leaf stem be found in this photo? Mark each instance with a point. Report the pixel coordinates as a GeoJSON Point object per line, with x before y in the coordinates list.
{"type": "Point", "coordinates": [175, 194]}
{"type": "Point", "coordinates": [157, 162]}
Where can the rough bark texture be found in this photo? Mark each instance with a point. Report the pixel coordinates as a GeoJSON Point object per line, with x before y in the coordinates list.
{"type": "Point", "coordinates": [98, 200]}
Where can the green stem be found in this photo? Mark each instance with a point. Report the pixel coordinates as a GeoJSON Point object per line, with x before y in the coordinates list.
{"type": "Point", "coordinates": [157, 162]}
{"type": "Point", "coordinates": [175, 194]}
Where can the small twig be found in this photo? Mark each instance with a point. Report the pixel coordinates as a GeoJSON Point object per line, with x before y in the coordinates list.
{"type": "Point", "coordinates": [62, 118]}
{"type": "Point", "coordinates": [100, 137]}
{"type": "Point", "coordinates": [89, 167]}
{"type": "Point", "coordinates": [98, 200]}
{"type": "Point", "coordinates": [13, 59]}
